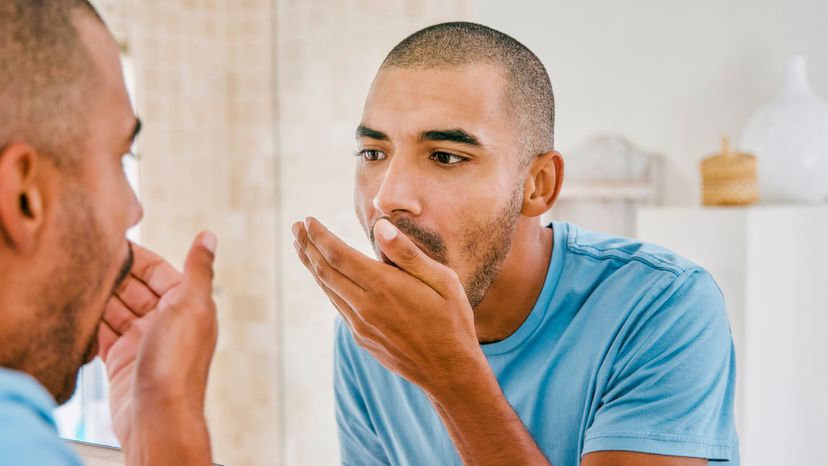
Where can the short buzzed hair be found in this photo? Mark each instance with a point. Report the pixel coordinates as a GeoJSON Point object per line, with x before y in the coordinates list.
{"type": "Point", "coordinates": [456, 44]}
{"type": "Point", "coordinates": [46, 74]}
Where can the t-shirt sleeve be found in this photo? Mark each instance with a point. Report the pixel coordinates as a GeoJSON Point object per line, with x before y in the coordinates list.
{"type": "Point", "coordinates": [28, 439]}
{"type": "Point", "coordinates": [358, 441]}
{"type": "Point", "coordinates": [672, 383]}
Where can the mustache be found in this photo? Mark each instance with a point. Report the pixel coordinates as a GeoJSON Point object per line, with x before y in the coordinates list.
{"type": "Point", "coordinates": [426, 239]}
{"type": "Point", "coordinates": [126, 268]}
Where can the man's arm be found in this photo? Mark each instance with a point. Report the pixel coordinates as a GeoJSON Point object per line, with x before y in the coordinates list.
{"type": "Point", "coordinates": [435, 347]}
{"type": "Point", "coordinates": [157, 340]}
{"type": "Point", "coordinates": [480, 421]}
{"type": "Point", "coordinates": [631, 458]}
{"type": "Point", "coordinates": [672, 379]}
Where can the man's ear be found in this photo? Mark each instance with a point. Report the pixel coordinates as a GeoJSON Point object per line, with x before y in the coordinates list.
{"type": "Point", "coordinates": [543, 183]}
{"type": "Point", "coordinates": [22, 213]}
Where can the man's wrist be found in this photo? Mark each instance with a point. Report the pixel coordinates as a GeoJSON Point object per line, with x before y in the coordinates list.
{"type": "Point", "coordinates": [469, 380]}
{"type": "Point", "coordinates": [169, 431]}
{"type": "Point", "coordinates": [175, 401]}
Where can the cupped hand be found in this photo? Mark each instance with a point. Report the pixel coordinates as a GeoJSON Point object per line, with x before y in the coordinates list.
{"type": "Point", "coordinates": [415, 318]}
{"type": "Point", "coordinates": [157, 340]}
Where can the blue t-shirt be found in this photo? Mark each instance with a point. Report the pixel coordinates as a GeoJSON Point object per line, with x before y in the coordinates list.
{"type": "Point", "coordinates": [627, 348]}
{"type": "Point", "coordinates": [28, 434]}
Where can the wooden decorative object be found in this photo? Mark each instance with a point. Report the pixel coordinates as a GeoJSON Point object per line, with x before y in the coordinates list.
{"type": "Point", "coordinates": [729, 178]}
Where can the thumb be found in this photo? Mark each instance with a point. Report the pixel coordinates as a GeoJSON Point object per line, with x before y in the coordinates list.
{"type": "Point", "coordinates": [198, 267]}
{"type": "Point", "coordinates": [408, 257]}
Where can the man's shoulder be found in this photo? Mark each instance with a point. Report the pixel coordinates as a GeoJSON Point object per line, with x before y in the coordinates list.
{"type": "Point", "coordinates": [602, 247]}
{"type": "Point", "coordinates": [647, 277]}
{"type": "Point", "coordinates": [27, 431]}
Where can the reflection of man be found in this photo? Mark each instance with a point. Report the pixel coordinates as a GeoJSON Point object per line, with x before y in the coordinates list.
{"type": "Point", "coordinates": [65, 206]}
{"type": "Point", "coordinates": [494, 340]}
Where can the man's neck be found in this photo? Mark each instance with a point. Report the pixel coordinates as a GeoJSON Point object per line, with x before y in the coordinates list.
{"type": "Point", "coordinates": [513, 294]}
{"type": "Point", "coordinates": [16, 314]}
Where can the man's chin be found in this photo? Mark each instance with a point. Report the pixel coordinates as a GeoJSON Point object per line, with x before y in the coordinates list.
{"type": "Point", "coordinates": [91, 351]}
{"type": "Point", "coordinates": [65, 392]}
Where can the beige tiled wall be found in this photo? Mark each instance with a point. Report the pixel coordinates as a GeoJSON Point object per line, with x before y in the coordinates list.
{"type": "Point", "coordinates": [328, 53]}
{"type": "Point", "coordinates": [204, 80]}
{"type": "Point", "coordinates": [249, 110]}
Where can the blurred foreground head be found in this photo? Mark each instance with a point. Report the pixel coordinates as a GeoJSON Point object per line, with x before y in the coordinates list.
{"type": "Point", "coordinates": [66, 122]}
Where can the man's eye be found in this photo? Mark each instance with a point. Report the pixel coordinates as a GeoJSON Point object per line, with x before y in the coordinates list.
{"type": "Point", "coordinates": [447, 159]}
{"type": "Point", "coordinates": [370, 155]}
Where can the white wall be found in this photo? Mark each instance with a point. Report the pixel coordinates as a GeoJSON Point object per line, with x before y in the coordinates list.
{"type": "Point", "coordinates": [670, 75]}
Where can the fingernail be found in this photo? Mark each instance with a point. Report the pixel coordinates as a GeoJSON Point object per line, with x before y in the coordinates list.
{"type": "Point", "coordinates": [385, 230]}
{"type": "Point", "coordinates": [209, 241]}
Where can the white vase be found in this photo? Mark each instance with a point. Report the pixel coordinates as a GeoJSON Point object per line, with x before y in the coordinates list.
{"type": "Point", "coordinates": [789, 136]}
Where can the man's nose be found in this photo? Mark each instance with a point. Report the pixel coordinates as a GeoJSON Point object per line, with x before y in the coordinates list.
{"type": "Point", "coordinates": [400, 189]}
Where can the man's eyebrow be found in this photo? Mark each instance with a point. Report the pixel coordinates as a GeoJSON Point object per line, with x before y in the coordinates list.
{"type": "Point", "coordinates": [135, 130]}
{"type": "Point", "coordinates": [457, 135]}
{"type": "Point", "coordinates": [366, 132]}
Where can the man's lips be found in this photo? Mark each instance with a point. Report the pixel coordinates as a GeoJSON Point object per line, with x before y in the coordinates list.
{"type": "Point", "coordinates": [388, 261]}
{"type": "Point", "coordinates": [420, 238]}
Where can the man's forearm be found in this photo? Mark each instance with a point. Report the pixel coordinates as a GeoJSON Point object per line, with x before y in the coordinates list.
{"type": "Point", "coordinates": [168, 436]}
{"type": "Point", "coordinates": [482, 424]}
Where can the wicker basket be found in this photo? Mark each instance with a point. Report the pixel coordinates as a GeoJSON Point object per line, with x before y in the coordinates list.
{"type": "Point", "coordinates": [729, 178]}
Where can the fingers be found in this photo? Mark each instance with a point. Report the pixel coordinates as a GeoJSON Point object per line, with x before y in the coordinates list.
{"type": "Point", "coordinates": [118, 316]}
{"type": "Point", "coordinates": [154, 271]}
{"type": "Point", "coordinates": [348, 261]}
{"type": "Point", "coordinates": [117, 320]}
{"type": "Point", "coordinates": [323, 272]}
{"type": "Point", "coordinates": [343, 307]}
{"type": "Point", "coordinates": [198, 267]}
{"type": "Point", "coordinates": [408, 257]}
{"type": "Point", "coordinates": [137, 296]}
{"type": "Point", "coordinates": [150, 277]}
{"type": "Point", "coordinates": [106, 338]}
{"type": "Point", "coordinates": [361, 329]}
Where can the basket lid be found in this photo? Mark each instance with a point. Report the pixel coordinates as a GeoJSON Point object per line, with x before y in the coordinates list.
{"type": "Point", "coordinates": [728, 157]}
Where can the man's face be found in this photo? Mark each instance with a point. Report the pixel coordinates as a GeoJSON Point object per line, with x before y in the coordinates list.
{"type": "Point", "coordinates": [438, 157]}
{"type": "Point", "coordinates": [87, 251]}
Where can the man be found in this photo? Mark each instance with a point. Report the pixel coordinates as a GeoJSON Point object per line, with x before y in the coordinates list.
{"type": "Point", "coordinates": [65, 207]}
{"type": "Point", "coordinates": [481, 336]}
